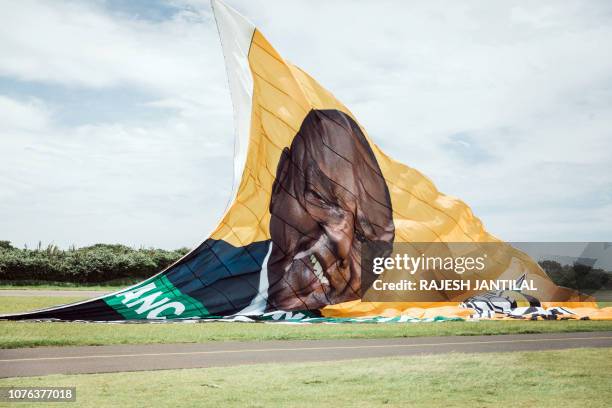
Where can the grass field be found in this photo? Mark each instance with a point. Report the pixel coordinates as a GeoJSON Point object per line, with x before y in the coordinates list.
{"type": "Point", "coordinates": [23, 334]}
{"type": "Point", "coordinates": [14, 304]}
{"type": "Point", "coordinates": [567, 378]}
{"type": "Point", "coordinates": [62, 286]}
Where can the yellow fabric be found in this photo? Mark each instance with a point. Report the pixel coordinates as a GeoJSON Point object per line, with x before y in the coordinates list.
{"type": "Point", "coordinates": [282, 97]}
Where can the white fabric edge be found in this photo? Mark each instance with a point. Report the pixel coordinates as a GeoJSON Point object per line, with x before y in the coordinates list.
{"type": "Point", "coordinates": [236, 34]}
{"type": "Point", "coordinates": [260, 301]}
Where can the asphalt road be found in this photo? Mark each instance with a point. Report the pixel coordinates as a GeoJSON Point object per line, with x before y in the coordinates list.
{"type": "Point", "coordinates": [103, 359]}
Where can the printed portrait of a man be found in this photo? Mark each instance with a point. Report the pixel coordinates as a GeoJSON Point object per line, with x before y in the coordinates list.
{"type": "Point", "coordinates": [329, 198]}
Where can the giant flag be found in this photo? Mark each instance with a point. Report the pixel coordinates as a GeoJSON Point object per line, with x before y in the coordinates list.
{"type": "Point", "coordinates": [310, 190]}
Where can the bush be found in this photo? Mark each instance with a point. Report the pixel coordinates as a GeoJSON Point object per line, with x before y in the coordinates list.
{"type": "Point", "coordinates": [93, 264]}
{"type": "Point", "coordinates": [577, 276]}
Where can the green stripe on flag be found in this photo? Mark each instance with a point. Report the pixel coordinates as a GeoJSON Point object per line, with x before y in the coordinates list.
{"type": "Point", "coordinates": [155, 298]}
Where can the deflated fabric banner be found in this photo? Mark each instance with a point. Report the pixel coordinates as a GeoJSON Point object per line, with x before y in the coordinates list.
{"type": "Point", "coordinates": [310, 189]}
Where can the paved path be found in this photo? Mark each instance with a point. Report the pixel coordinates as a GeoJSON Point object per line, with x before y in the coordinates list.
{"type": "Point", "coordinates": [53, 293]}
{"type": "Point", "coordinates": [101, 359]}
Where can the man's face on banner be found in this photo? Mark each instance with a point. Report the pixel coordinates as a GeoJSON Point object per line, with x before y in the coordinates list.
{"type": "Point", "coordinates": [328, 198]}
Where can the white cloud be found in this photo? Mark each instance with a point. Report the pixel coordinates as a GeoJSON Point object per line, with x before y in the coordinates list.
{"type": "Point", "coordinates": [157, 181]}
{"type": "Point", "coordinates": [82, 44]}
{"type": "Point", "coordinates": [31, 114]}
{"type": "Point", "coordinates": [139, 184]}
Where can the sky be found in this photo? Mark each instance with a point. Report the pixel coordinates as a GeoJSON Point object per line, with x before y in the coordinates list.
{"type": "Point", "coordinates": [116, 119]}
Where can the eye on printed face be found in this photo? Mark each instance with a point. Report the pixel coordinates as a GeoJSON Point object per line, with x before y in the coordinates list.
{"type": "Point", "coordinates": [328, 198]}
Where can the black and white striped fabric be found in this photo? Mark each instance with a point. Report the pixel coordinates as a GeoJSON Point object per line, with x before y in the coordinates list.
{"type": "Point", "coordinates": [512, 304]}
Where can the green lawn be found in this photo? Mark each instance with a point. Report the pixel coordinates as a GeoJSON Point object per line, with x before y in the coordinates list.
{"type": "Point", "coordinates": [15, 304]}
{"type": "Point", "coordinates": [566, 378]}
{"type": "Point", "coordinates": [22, 334]}
{"type": "Point", "coordinates": [62, 286]}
